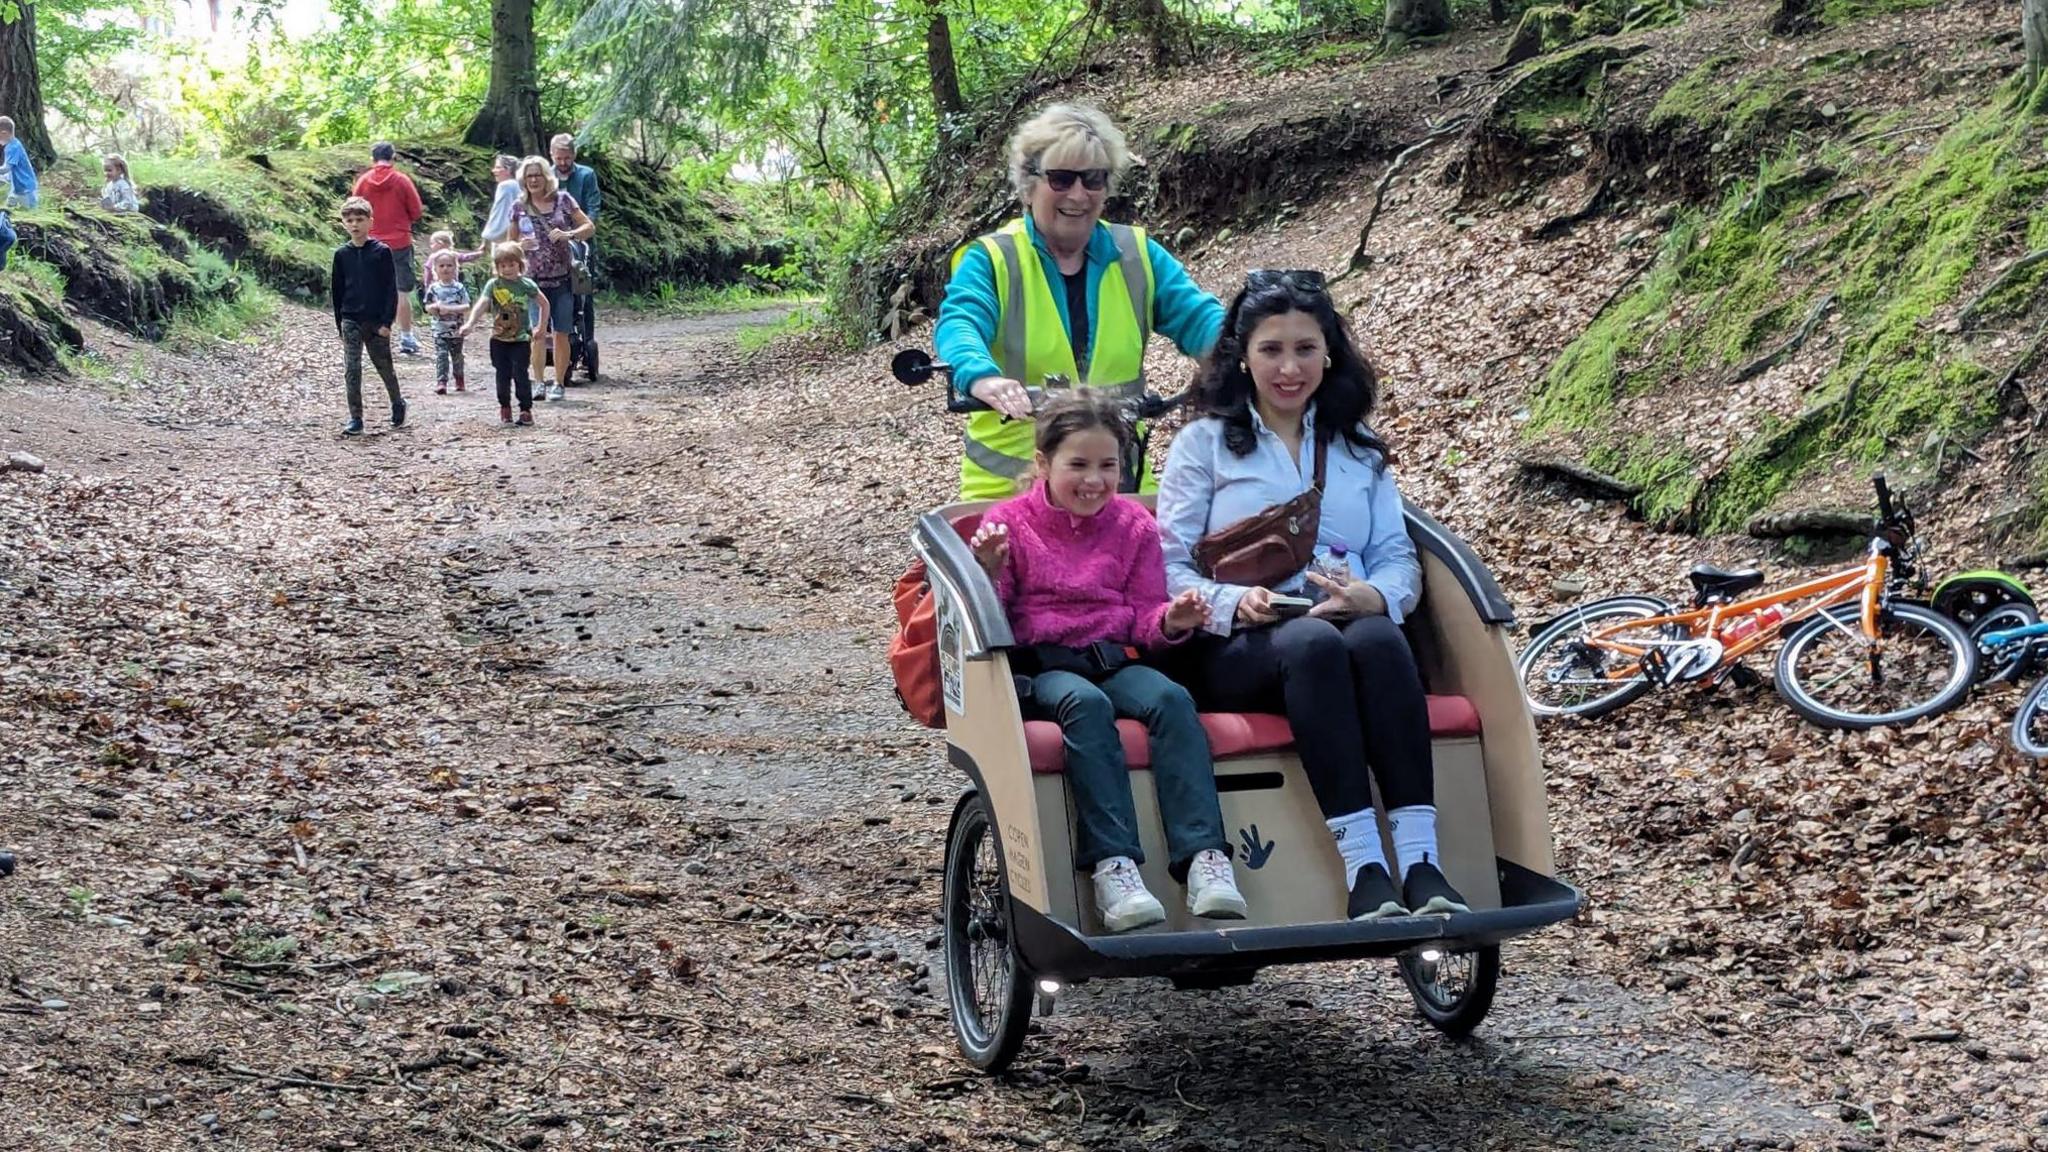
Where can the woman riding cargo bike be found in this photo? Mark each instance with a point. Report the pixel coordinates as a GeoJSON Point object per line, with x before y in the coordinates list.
{"type": "Point", "coordinates": [1057, 293]}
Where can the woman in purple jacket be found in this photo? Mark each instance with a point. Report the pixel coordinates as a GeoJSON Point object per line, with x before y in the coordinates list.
{"type": "Point", "coordinates": [1081, 574]}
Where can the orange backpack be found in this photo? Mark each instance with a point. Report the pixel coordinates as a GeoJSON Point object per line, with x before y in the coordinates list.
{"type": "Point", "coordinates": [914, 652]}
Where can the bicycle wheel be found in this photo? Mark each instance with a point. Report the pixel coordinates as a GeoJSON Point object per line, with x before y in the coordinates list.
{"type": "Point", "coordinates": [1921, 666]}
{"type": "Point", "coordinates": [2030, 723]}
{"type": "Point", "coordinates": [2008, 661]}
{"type": "Point", "coordinates": [1562, 675]}
{"type": "Point", "coordinates": [1452, 990]}
{"type": "Point", "coordinates": [986, 987]}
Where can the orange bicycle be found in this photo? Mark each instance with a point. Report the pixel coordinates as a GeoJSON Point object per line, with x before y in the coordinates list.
{"type": "Point", "coordinates": [1857, 654]}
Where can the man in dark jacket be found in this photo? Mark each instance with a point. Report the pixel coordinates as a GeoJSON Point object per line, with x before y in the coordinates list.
{"type": "Point", "coordinates": [364, 288]}
{"type": "Point", "coordinates": [580, 182]}
{"type": "Point", "coordinates": [396, 202]}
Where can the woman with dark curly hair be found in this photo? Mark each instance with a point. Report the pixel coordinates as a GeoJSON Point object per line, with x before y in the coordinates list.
{"type": "Point", "coordinates": [1286, 387]}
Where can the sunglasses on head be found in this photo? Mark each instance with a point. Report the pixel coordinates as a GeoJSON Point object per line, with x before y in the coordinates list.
{"type": "Point", "coordinates": [1301, 280]}
{"type": "Point", "coordinates": [1062, 179]}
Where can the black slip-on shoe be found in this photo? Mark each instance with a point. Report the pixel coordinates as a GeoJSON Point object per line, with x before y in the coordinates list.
{"type": "Point", "coordinates": [1373, 896]}
{"type": "Point", "coordinates": [1429, 894]}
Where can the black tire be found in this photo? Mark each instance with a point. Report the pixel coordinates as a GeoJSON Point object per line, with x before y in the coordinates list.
{"type": "Point", "coordinates": [2009, 661]}
{"type": "Point", "coordinates": [1551, 653]}
{"type": "Point", "coordinates": [2030, 723]}
{"type": "Point", "coordinates": [590, 361]}
{"type": "Point", "coordinates": [987, 987]}
{"type": "Point", "coordinates": [1825, 653]}
{"type": "Point", "coordinates": [1454, 991]}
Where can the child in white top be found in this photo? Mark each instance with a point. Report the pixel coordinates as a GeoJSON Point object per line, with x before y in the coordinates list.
{"type": "Point", "coordinates": [119, 194]}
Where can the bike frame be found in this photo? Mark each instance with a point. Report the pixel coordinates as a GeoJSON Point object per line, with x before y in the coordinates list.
{"type": "Point", "coordinates": [2004, 636]}
{"type": "Point", "coordinates": [1865, 583]}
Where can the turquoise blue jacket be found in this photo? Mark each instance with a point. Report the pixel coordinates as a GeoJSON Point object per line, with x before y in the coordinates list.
{"type": "Point", "coordinates": [968, 318]}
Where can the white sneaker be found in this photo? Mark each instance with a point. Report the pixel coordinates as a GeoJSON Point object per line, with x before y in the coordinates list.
{"type": "Point", "coordinates": [1212, 888]}
{"type": "Point", "coordinates": [554, 390]}
{"type": "Point", "coordinates": [1121, 898]}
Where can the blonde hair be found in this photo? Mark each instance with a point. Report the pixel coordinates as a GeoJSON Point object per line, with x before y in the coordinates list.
{"type": "Point", "coordinates": [508, 250]}
{"type": "Point", "coordinates": [357, 206]}
{"type": "Point", "coordinates": [1065, 136]}
{"type": "Point", "coordinates": [118, 162]}
{"type": "Point", "coordinates": [547, 169]}
{"type": "Point", "coordinates": [441, 239]}
{"type": "Point", "coordinates": [443, 256]}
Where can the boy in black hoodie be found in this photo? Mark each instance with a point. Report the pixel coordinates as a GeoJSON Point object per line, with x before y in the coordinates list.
{"type": "Point", "coordinates": [364, 288]}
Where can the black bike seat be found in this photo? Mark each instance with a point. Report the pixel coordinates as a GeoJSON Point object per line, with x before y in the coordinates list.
{"type": "Point", "coordinates": [1707, 578]}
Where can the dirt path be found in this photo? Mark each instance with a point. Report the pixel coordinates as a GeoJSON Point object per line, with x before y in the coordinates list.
{"type": "Point", "coordinates": [465, 788]}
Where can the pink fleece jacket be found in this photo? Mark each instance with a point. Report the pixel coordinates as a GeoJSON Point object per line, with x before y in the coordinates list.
{"type": "Point", "coordinates": [1076, 580]}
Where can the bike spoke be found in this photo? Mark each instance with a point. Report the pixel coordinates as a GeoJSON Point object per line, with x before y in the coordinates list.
{"type": "Point", "coordinates": [1843, 671]}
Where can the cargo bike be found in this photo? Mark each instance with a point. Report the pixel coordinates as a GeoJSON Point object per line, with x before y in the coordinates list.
{"type": "Point", "coordinates": [1019, 921]}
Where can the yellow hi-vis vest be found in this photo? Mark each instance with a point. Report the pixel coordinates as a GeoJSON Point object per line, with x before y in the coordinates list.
{"type": "Point", "coordinates": [1031, 344]}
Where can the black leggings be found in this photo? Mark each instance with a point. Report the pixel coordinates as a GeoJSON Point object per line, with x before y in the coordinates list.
{"type": "Point", "coordinates": [509, 358]}
{"type": "Point", "coordinates": [1354, 697]}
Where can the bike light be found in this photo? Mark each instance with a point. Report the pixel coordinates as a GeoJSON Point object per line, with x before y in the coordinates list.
{"type": "Point", "coordinates": [1431, 955]}
{"type": "Point", "coordinates": [1049, 987]}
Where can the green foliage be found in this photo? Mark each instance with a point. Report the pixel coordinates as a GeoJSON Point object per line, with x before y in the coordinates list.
{"type": "Point", "coordinates": [76, 42]}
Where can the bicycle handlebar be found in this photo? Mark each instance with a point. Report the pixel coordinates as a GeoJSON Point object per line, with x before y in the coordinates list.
{"type": "Point", "coordinates": [1885, 509]}
{"type": "Point", "coordinates": [916, 366]}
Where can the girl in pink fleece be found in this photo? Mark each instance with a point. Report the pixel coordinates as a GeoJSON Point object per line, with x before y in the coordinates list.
{"type": "Point", "coordinates": [1082, 577]}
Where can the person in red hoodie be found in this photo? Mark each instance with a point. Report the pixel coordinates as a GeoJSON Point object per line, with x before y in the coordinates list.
{"type": "Point", "coordinates": [396, 203]}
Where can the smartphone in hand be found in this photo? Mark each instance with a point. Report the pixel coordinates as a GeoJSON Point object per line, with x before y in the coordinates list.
{"type": "Point", "coordinates": [1288, 607]}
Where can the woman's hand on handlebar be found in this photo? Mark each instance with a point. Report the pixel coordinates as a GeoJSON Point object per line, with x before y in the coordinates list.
{"type": "Point", "coordinates": [1003, 394]}
{"type": "Point", "coordinates": [1255, 607]}
{"type": "Point", "coordinates": [991, 545]}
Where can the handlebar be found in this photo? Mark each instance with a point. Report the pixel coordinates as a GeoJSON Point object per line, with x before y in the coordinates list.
{"type": "Point", "coordinates": [1885, 509]}
{"type": "Point", "coordinates": [916, 366]}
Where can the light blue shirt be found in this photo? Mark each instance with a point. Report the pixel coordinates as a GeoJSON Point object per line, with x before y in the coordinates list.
{"type": "Point", "coordinates": [22, 174]}
{"type": "Point", "coordinates": [499, 226]}
{"type": "Point", "coordinates": [968, 317]}
{"type": "Point", "coordinates": [1206, 487]}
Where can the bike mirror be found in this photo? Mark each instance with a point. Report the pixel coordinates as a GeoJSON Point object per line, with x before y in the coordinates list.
{"type": "Point", "coordinates": [911, 366]}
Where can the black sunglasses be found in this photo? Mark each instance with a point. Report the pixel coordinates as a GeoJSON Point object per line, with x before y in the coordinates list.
{"type": "Point", "coordinates": [1299, 279]}
{"type": "Point", "coordinates": [1062, 179]}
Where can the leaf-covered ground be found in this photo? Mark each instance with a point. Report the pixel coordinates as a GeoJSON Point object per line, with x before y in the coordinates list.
{"type": "Point", "coordinates": [456, 788]}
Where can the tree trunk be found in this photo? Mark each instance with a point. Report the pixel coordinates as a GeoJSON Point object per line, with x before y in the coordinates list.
{"type": "Point", "coordinates": [938, 61]}
{"type": "Point", "coordinates": [2034, 30]}
{"type": "Point", "coordinates": [21, 88]}
{"type": "Point", "coordinates": [1408, 18]}
{"type": "Point", "coordinates": [1148, 17]}
{"type": "Point", "coordinates": [510, 117]}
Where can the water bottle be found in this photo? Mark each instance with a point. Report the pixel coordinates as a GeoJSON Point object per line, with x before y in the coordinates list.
{"type": "Point", "coordinates": [1334, 566]}
{"type": "Point", "coordinates": [1756, 622]}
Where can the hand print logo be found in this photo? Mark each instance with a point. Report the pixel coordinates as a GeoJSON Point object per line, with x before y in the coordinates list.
{"type": "Point", "coordinates": [1255, 852]}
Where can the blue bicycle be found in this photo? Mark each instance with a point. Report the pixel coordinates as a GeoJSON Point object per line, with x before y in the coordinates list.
{"type": "Point", "coordinates": [2012, 642]}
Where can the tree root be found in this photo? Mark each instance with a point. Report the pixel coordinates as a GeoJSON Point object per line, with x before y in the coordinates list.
{"type": "Point", "coordinates": [1565, 468]}
{"type": "Point", "coordinates": [1558, 225]}
{"type": "Point", "coordinates": [1360, 257]}
{"type": "Point", "coordinates": [1776, 356]}
{"type": "Point", "coordinates": [2009, 384]}
{"type": "Point", "coordinates": [1810, 522]}
{"type": "Point", "coordinates": [1967, 318]}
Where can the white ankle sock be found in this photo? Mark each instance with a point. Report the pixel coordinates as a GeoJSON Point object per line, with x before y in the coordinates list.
{"type": "Point", "coordinates": [1414, 836]}
{"type": "Point", "coordinates": [1358, 841]}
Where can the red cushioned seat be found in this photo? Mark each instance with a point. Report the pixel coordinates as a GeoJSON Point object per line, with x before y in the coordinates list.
{"type": "Point", "coordinates": [1233, 734]}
